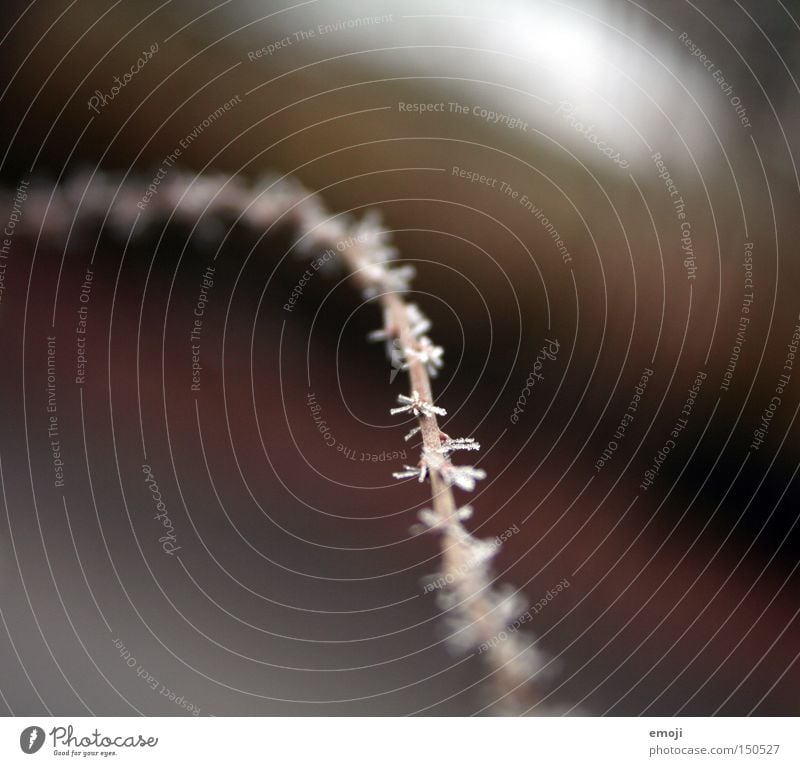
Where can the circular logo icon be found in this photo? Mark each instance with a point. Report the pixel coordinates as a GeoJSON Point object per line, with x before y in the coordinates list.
{"type": "Point", "coordinates": [31, 739]}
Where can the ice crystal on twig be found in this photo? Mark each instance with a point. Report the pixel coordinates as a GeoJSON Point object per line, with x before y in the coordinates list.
{"type": "Point", "coordinates": [369, 231]}
{"type": "Point", "coordinates": [462, 476]}
{"type": "Point", "coordinates": [412, 433]}
{"type": "Point", "coordinates": [461, 443]}
{"type": "Point", "coordinates": [398, 280]}
{"type": "Point", "coordinates": [387, 332]}
{"type": "Point", "coordinates": [325, 234]}
{"type": "Point", "coordinates": [430, 461]}
{"type": "Point", "coordinates": [429, 518]}
{"type": "Point", "coordinates": [427, 353]}
{"type": "Point", "coordinates": [432, 521]}
{"type": "Point", "coordinates": [481, 552]}
{"type": "Point", "coordinates": [418, 323]}
{"type": "Point", "coordinates": [411, 472]}
{"type": "Point", "coordinates": [417, 406]}
{"type": "Point", "coordinates": [383, 280]}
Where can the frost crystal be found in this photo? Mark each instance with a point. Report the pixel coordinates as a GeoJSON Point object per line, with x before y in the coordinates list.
{"type": "Point", "coordinates": [320, 232]}
{"type": "Point", "coordinates": [410, 472]}
{"type": "Point", "coordinates": [412, 433]}
{"type": "Point", "coordinates": [399, 279]}
{"type": "Point", "coordinates": [416, 406]}
{"type": "Point", "coordinates": [385, 280]}
{"type": "Point", "coordinates": [462, 476]}
{"type": "Point", "coordinates": [387, 332]}
{"type": "Point", "coordinates": [430, 461]}
{"type": "Point", "coordinates": [418, 322]}
{"type": "Point", "coordinates": [464, 513]}
{"type": "Point", "coordinates": [451, 445]}
{"type": "Point", "coordinates": [482, 551]}
{"type": "Point", "coordinates": [428, 518]}
{"type": "Point", "coordinates": [369, 229]}
{"type": "Point", "coordinates": [433, 460]}
{"type": "Point", "coordinates": [370, 232]}
{"type": "Point", "coordinates": [427, 353]}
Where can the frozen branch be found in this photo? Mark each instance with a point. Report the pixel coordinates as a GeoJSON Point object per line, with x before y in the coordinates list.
{"type": "Point", "coordinates": [477, 612]}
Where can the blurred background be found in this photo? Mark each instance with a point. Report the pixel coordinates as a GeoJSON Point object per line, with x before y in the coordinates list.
{"type": "Point", "coordinates": [616, 178]}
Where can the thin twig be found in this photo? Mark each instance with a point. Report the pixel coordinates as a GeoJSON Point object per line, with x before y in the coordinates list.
{"type": "Point", "coordinates": [481, 613]}
{"type": "Point", "coordinates": [485, 615]}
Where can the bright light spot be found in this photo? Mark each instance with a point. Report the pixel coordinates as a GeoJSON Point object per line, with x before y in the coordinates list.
{"type": "Point", "coordinates": [557, 42]}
